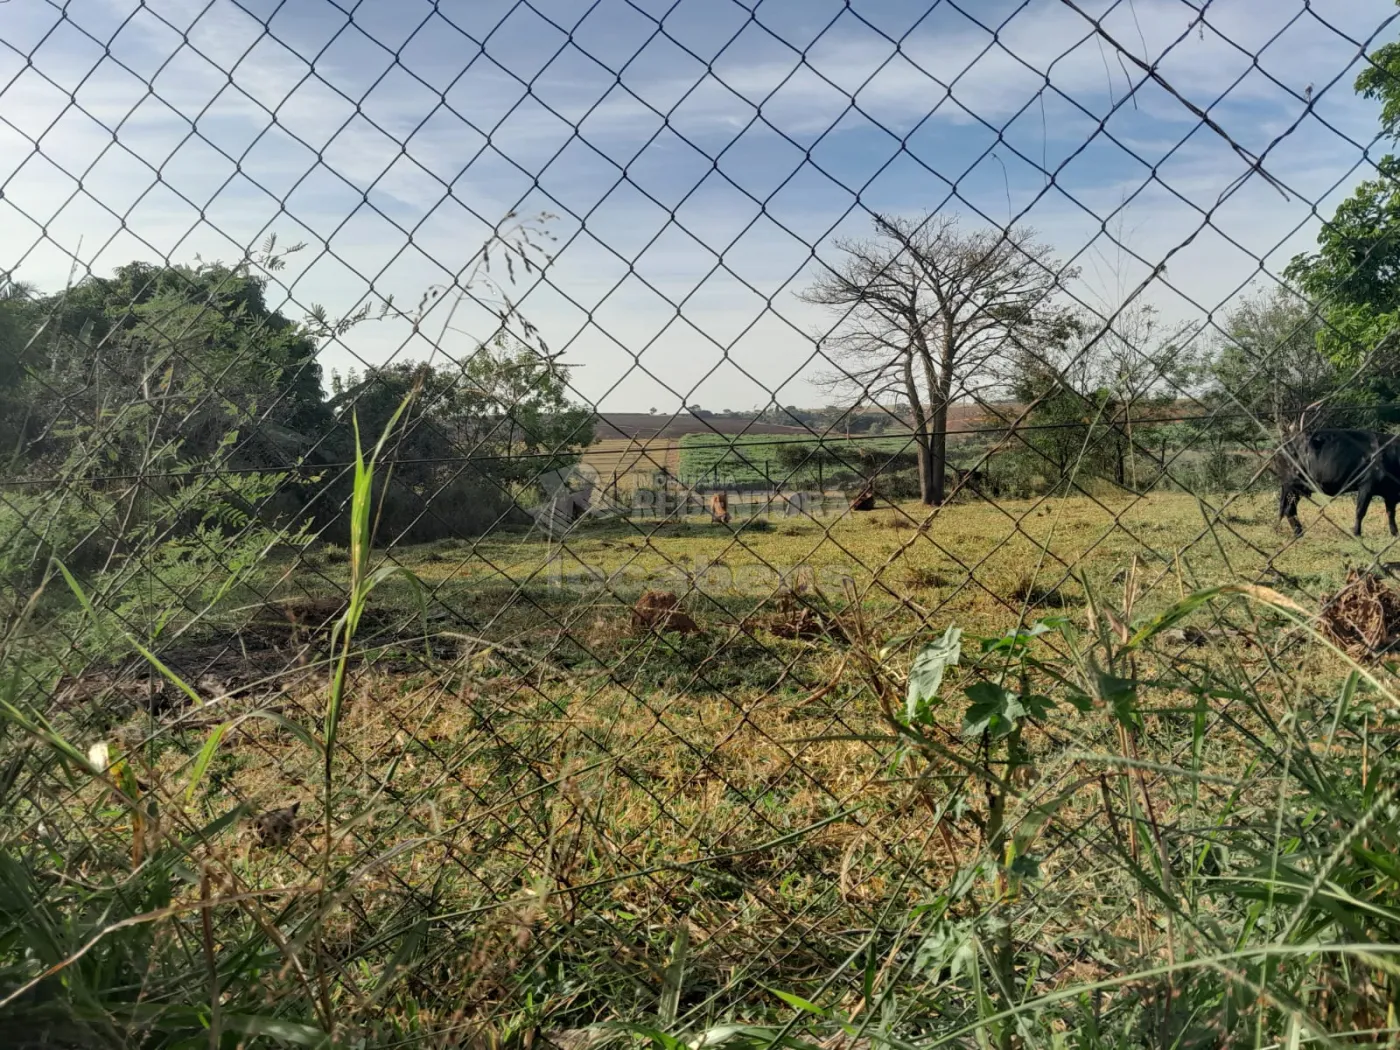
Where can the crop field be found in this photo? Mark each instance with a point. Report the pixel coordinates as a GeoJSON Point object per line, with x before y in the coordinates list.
{"type": "Point", "coordinates": [628, 462]}
{"type": "Point", "coordinates": [754, 459]}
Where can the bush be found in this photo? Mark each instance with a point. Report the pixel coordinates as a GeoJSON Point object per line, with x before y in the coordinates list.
{"type": "Point", "coordinates": [35, 528]}
{"type": "Point", "coordinates": [467, 507]}
{"type": "Point", "coordinates": [901, 485]}
{"type": "Point", "coordinates": [1021, 475]}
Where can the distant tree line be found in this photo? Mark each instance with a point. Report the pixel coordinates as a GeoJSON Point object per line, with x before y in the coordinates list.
{"type": "Point", "coordinates": [172, 405]}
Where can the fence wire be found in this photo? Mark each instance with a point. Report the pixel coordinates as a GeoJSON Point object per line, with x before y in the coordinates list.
{"type": "Point", "coordinates": [381, 668]}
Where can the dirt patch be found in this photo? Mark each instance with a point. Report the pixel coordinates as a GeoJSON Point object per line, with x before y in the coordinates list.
{"type": "Point", "coordinates": [279, 826]}
{"type": "Point", "coordinates": [793, 620]}
{"type": "Point", "coordinates": [923, 578]}
{"type": "Point", "coordinates": [248, 666]}
{"type": "Point", "coordinates": [1029, 592]}
{"type": "Point", "coordinates": [661, 611]}
{"type": "Point", "coordinates": [1363, 618]}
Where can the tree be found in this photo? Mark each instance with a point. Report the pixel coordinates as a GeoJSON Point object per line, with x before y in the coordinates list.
{"type": "Point", "coordinates": [1097, 398]}
{"type": "Point", "coordinates": [16, 391]}
{"type": "Point", "coordinates": [1354, 276]}
{"type": "Point", "coordinates": [926, 308]}
{"type": "Point", "coordinates": [1140, 368]}
{"type": "Point", "coordinates": [169, 360]}
{"type": "Point", "coordinates": [472, 437]}
{"type": "Point", "coordinates": [171, 403]}
{"type": "Point", "coordinates": [1266, 361]}
{"type": "Point", "coordinates": [1065, 432]}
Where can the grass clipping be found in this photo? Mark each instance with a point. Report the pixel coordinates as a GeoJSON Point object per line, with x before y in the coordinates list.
{"type": "Point", "coordinates": [1363, 618]}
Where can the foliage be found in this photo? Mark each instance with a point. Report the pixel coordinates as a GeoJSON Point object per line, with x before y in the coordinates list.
{"type": "Point", "coordinates": [505, 410]}
{"type": "Point", "coordinates": [1095, 400]}
{"type": "Point", "coordinates": [168, 420]}
{"type": "Point", "coordinates": [475, 440]}
{"type": "Point", "coordinates": [1267, 367]}
{"type": "Point", "coordinates": [1247, 902]}
{"type": "Point", "coordinates": [158, 361]}
{"type": "Point", "coordinates": [1354, 276]}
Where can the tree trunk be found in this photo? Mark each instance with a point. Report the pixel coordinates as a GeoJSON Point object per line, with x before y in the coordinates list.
{"type": "Point", "coordinates": [1132, 460]}
{"type": "Point", "coordinates": [922, 438]}
{"type": "Point", "coordinates": [927, 489]}
{"type": "Point", "coordinates": [938, 465]}
{"type": "Point", "coordinates": [941, 399]}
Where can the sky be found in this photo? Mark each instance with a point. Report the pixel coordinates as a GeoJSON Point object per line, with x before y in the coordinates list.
{"type": "Point", "coordinates": [696, 157]}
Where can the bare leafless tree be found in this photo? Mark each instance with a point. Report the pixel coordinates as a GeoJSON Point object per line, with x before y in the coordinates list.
{"type": "Point", "coordinates": [926, 309]}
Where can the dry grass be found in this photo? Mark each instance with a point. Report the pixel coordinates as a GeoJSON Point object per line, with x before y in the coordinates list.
{"type": "Point", "coordinates": [580, 788]}
{"type": "Point", "coordinates": [984, 552]}
{"type": "Point", "coordinates": [1363, 618]}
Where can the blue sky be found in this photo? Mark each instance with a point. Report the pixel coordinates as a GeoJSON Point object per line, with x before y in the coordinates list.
{"type": "Point", "coordinates": [699, 154]}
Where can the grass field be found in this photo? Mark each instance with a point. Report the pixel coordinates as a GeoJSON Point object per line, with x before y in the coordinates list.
{"type": "Point", "coordinates": [542, 816]}
{"type": "Point", "coordinates": [982, 554]}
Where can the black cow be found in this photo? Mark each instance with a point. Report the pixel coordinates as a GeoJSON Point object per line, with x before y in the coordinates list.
{"type": "Point", "coordinates": [1336, 461]}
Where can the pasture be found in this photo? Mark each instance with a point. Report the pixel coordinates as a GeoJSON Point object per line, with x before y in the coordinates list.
{"type": "Point", "coordinates": [572, 799]}
{"type": "Point", "coordinates": [626, 463]}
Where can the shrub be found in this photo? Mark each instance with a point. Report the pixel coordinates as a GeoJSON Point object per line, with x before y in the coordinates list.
{"type": "Point", "coordinates": [901, 485]}
{"type": "Point", "coordinates": [466, 507]}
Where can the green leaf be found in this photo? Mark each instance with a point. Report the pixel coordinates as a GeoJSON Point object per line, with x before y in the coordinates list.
{"type": "Point", "coordinates": [1172, 615]}
{"type": "Point", "coordinates": [205, 756]}
{"type": "Point", "coordinates": [926, 673]}
{"type": "Point", "coordinates": [1017, 640]}
{"type": "Point", "coordinates": [993, 710]}
{"type": "Point", "coordinates": [947, 945]}
{"type": "Point", "coordinates": [1026, 866]}
{"type": "Point", "coordinates": [800, 1003]}
{"type": "Point", "coordinates": [1120, 694]}
{"type": "Point", "coordinates": [275, 1028]}
{"type": "Point", "coordinates": [1079, 702]}
{"type": "Point", "coordinates": [660, 1038]}
{"type": "Point", "coordinates": [285, 723]}
{"type": "Point", "coordinates": [217, 826]}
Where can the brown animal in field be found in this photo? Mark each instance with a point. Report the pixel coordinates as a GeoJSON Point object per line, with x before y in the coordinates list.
{"type": "Point", "coordinates": [661, 610]}
{"type": "Point", "coordinates": [719, 508]}
{"type": "Point", "coordinates": [864, 499]}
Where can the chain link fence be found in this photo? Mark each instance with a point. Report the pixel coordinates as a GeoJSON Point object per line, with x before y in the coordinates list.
{"type": "Point", "coordinates": [542, 522]}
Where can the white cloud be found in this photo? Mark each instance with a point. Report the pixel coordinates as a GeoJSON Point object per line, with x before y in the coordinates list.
{"type": "Point", "coordinates": [316, 171]}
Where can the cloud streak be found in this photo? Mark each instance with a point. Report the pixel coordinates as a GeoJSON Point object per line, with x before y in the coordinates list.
{"type": "Point", "coordinates": [700, 159]}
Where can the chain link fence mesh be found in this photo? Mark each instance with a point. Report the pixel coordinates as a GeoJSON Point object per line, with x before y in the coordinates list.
{"type": "Point", "coordinates": [402, 649]}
